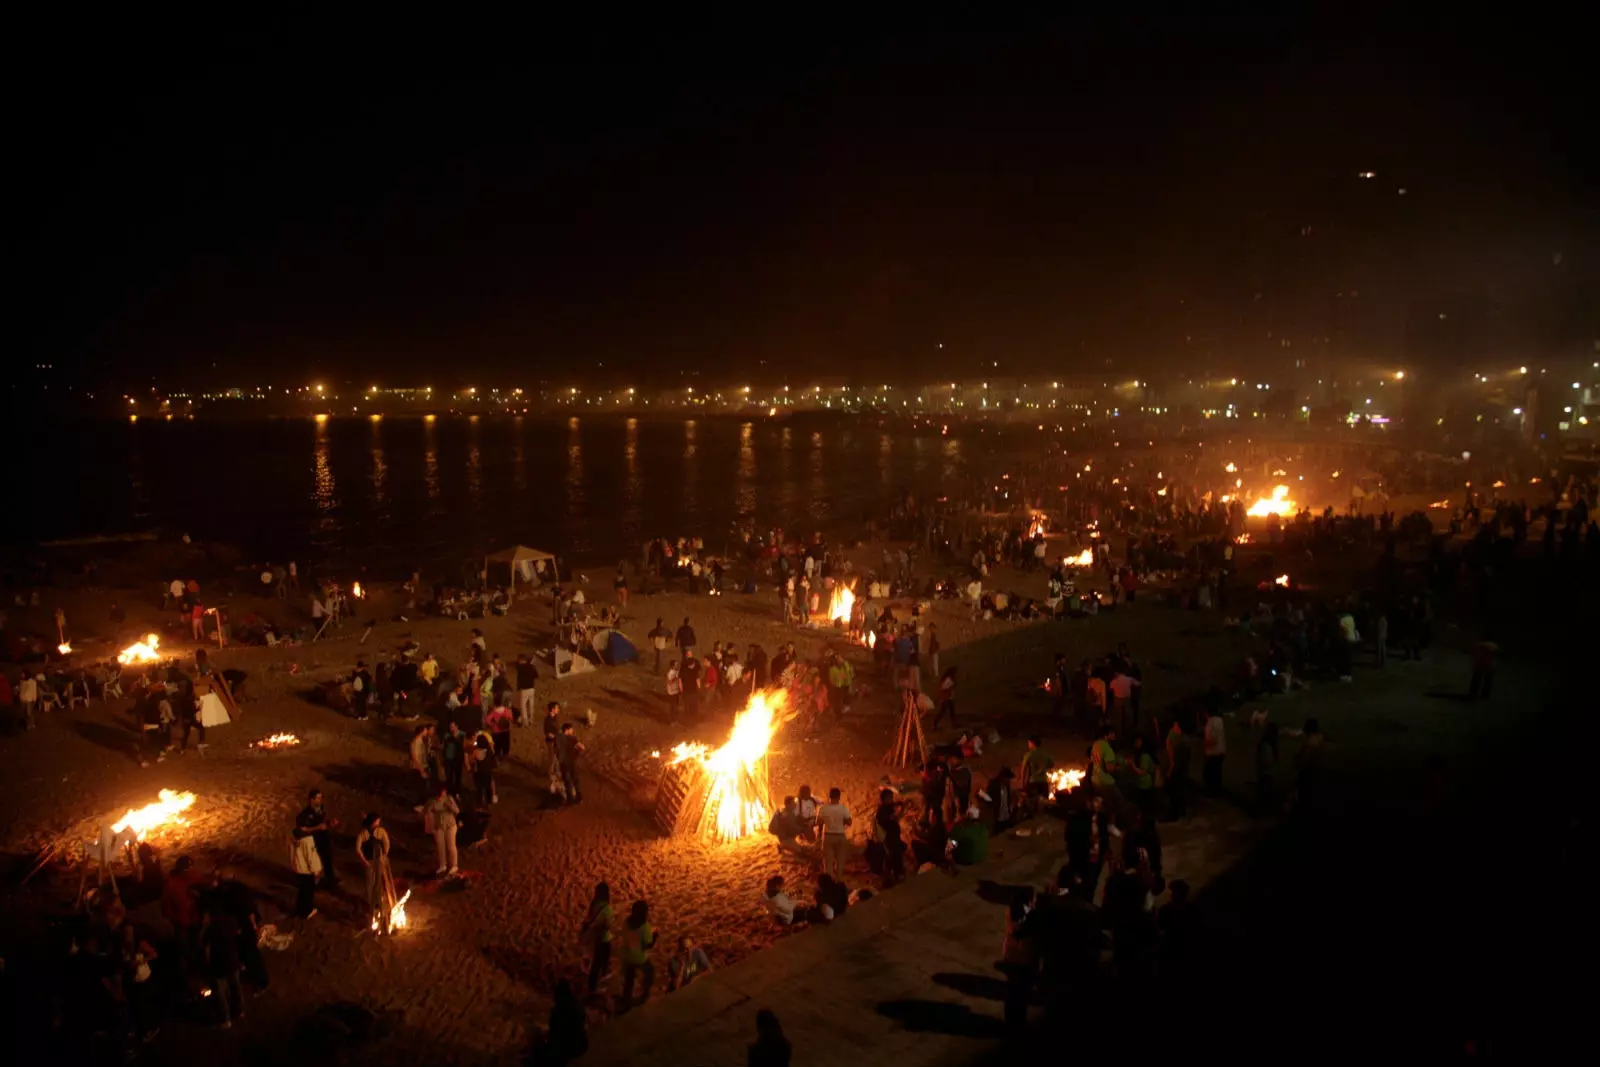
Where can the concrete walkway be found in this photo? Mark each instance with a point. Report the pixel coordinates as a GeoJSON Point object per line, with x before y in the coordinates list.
{"type": "Point", "coordinates": [907, 978]}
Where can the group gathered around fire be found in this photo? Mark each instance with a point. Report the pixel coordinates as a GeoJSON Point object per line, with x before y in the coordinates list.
{"type": "Point", "coordinates": [1111, 901]}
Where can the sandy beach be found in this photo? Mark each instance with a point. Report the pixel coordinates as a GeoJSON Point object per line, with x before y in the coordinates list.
{"type": "Point", "coordinates": [482, 953]}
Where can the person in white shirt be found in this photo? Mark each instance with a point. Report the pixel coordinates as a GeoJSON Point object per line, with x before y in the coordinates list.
{"type": "Point", "coordinates": [1216, 742]}
{"type": "Point", "coordinates": [28, 694]}
{"type": "Point", "coordinates": [835, 820]}
{"type": "Point", "coordinates": [777, 902]}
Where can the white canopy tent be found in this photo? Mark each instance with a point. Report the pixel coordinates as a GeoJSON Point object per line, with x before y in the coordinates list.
{"type": "Point", "coordinates": [524, 561]}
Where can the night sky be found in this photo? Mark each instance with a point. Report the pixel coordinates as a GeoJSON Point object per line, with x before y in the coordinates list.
{"type": "Point", "coordinates": [833, 200]}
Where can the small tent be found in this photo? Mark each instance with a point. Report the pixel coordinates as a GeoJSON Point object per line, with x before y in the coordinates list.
{"type": "Point", "coordinates": [524, 563]}
{"type": "Point", "coordinates": [560, 662]}
{"type": "Point", "coordinates": [613, 647]}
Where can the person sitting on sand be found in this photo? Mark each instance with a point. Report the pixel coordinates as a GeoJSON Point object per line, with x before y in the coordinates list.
{"type": "Point", "coordinates": [786, 826]}
{"type": "Point", "coordinates": [777, 902]}
{"type": "Point", "coordinates": [687, 964]}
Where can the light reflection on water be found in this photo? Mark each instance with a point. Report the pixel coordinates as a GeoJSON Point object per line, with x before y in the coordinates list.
{"type": "Point", "coordinates": [401, 493]}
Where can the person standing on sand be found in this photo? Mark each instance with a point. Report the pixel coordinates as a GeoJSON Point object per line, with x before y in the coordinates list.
{"type": "Point", "coordinates": [689, 676]}
{"type": "Point", "coordinates": [835, 820]}
{"type": "Point", "coordinates": [498, 723]}
{"type": "Point", "coordinates": [595, 934]}
{"type": "Point", "coordinates": [372, 847]}
{"type": "Point", "coordinates": [568, 751]}
{"type": "Point", "coordinates": [674, 689]}
{"type": "Point", "coordinates": [307, 867]}
{"type": "Point", "coordinates": [566, 1036]}
{"type": "Point", "coordinates": [1177, 770]}
{"type": "Point", "coordinates": [527, 689]}
{"type": "Point", "coordinates": [619, 585]}
{"type": "Point", "coordinates": [686, 638]}
{"type": "Point", "coordinates": [28, 696]}
{"type": "Point", "coordinates": [658, 641]}
{"type": "Point", "coordinates": [423, 761]}
{"type": "Point", "coordinates": [552, 732]}
{"type": "Point", "coordinates": [638, 938]}
{"type": "Point", "coordinates": [454, 751]}
{"type": "Point", "coordinates": [313, 819]}
{"type": "Point", "coordinates": [755, 667]}
{"type": "Point", "coordinates": [947, 698]}
{"type": "Point", "coordinates": [439, 819]}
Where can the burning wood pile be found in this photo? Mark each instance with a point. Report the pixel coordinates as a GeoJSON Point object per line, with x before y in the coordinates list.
{"type": "Point", "coordinates": [1063, 779]}
{"type": "Point", "coordinates": [397, 916]}
{"type": "Point", "coordinates": [141, 652]}
{"type": "Point", "coordinates": [1082, 559]}
{"type": "Point", "coordinates": [724, 794]}
{"type": "Point", "coordinates": [1278, 504]}
{"type": "Point", "coordinates": [165, 813]}
{"type": "Point", "coordinates": [275, 742]}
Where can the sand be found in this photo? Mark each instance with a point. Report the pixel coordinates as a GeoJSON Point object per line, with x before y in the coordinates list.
{"type": "Point", "coordinates": [480, 956]}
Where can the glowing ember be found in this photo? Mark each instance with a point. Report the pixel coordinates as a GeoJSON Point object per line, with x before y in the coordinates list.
{"type": "Point", "coordinates": [840, 603]}
{"type": "Point", "coordinates": [65, 648]}
{"type": "Point", "coordinates": [1282, 579]}
{"type": "Point", "coordinates": [1242, 539]}
{"type": "Point", "coordinates": [1082, 559]}
{"type": "Point", "coordinates": [141, 651]}
{"type": "Point", "coordinates": [1499, 484]}
{"type": "Point", "coordinates": [1063, 779]}
{"type": "Point", "coordinates": [168, 811]}
{"type": "Point", "coordinates": [356, 590]}
{"type": "Point", "coordinates": [397, 915]}
{"type": "Point", "coordinates": [737, 797]}
{"type": "Point", "coordinates": [276, 741]}
{"type": "Point", "coordinates": [1440, 504]}
{"type": "Point", "coordinates": [1279, 504]}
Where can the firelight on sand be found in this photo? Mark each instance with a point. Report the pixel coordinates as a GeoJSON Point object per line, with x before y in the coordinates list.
{"type": "Point", "coordinates": [1279, 504]}
{"type": "Point", "coordinates": [141, 651]}
{"type": "Point", "coordinates": [168, 811]}
{"type": "Point", "coordinates": [738, 799]}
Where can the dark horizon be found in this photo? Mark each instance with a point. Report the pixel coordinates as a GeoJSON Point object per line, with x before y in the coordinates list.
{"type": "Point", "coordinates": [1147, 196]}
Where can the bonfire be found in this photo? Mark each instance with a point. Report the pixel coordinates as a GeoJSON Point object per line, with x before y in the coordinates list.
{"type": "Point", "coordinates": [141, 651]}
{"type": "Point", "coordinates": [1281, 580]}
{"type": "Point", "coordinates": [1242, 539]}
{"type": "Point", "coordinates": [1063, 779]}
{"type": "Point", "coordinates": [1278, 504]}
{"type": "Point", "coordinates": [397, 916]}
{"type": "Point", "coordinates": [276, 741]}
{"type": "Point", "coordinates": [840, 603]}
{"type": "Point", "coordinates": [165, 812]}
{"type": "Point", "coordinates": [1440, 504]}
{"type": "Point", "coordinates": [356, 591]}
{"type": "Point", "coordinates": [65, 648]}
{"type": "Point", "coordinates": [735, 794]}
{"type": "Point", "coordinates": [1082, 559]}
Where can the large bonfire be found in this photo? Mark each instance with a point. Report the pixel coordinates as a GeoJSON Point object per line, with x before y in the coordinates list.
{"type": "Point", "coordinates": [165, 812]}
{"type": "Point", "coordinates": [1278, 504]}
{"type": "Point", "coordinates": [841, 602]}
{"type": "Point", "coordinates": [734, 793]}
{"type": "Point", "coordinates": [141, 651]}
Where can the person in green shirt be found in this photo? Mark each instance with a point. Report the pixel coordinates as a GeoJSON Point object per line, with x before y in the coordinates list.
{"type": "Point", "coordinates": [1142, 767]}
{"type": "Point", "coordinates": [841, 676]}
{"type": "Point", "coordinates": [971, 836]}
{"type": "Point", "coordinates": [596, 933]}
{"type": "Point", "coordinates": [638, 938]}
{"type": "Point", "coordinates": [1036, 765]}
{"type": "Point", "coordinates": [1103, 762]}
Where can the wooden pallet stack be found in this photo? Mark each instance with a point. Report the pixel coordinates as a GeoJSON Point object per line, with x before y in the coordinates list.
{"type": "Point", "coordinates": [679, 797]}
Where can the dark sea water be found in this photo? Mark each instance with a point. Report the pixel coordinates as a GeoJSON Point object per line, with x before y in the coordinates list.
{"type": "Point", "coordinates": [398, 492]}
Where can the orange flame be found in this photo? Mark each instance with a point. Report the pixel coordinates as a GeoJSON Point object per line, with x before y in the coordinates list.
{"type": "Point", "coordinates": [1279, 504]}
{"type": "Point", "coordinates": [141, 651]}
{"type": "Point", "coordinates": [356, 590]}
{"type": "Point", "coordinates": [1063, 778]}
{"type": "Point", "coordinates": [65, 648]}
{"type": "Point", "coordinates": [1282, 579]}
{"type": "Point", "coordinates": [397, 915]}
{"type": "Point", "coordinates": [738, 801]}
{"type": "Point", "coordinates": [840, 603]}
{"type": "Point", "coordinates": [168, 811]}
{"type": "Point", "coordinates": [1082, 559]}
{"type": "Point", "coordinates": [276, 741]}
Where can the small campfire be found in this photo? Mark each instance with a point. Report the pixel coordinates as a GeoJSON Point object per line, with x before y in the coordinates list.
{"type": "Point", "coordinates": [357, 592]}
{"type": "Point", "coordinates": [1082, 559]}
{"type": "Point", "coordinates": [725, 794]}
{"type": "Point", "coordinates": [1242, 539]}
{"type": "Point", "coordinates": [65, 648]}
{"type": "Point", "coordinates": [397, 915]}
{"type": "Point", "coordinates": [1036, 528]}
{"type": "Point", "coordinates": [141, 651]}
{"type": "Point", "coordinates": [1281, 581]}
{"type": "Point", "coordinates": [164, 813]}
{"type": "Point", "coordinates": [1063, 779]}
{"type": "Point", "coordinates": [1440, 504]}
{"type": "Point", "coordinates": [276, 741]}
